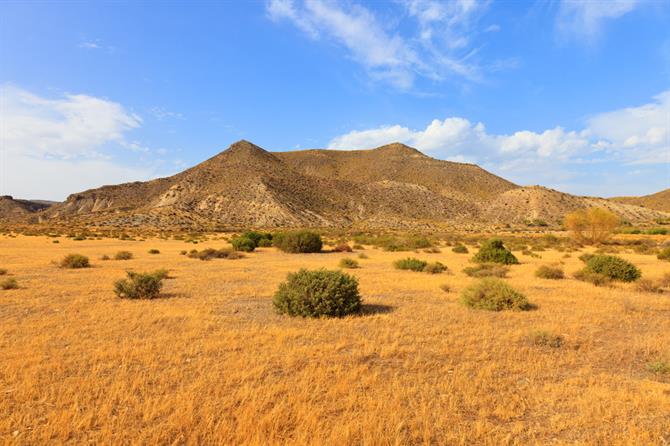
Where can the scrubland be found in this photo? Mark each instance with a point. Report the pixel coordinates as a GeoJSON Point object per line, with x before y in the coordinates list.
{"type": "Point", "coordinates": [211, 363]}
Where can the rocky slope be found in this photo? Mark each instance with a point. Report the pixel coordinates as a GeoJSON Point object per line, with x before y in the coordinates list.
{"type": "Point", "coordinates": [393, 186]}
{"type": "Point", "coordinates": [659, 201]}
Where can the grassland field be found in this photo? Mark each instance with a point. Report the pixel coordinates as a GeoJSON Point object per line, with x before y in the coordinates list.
{"type": "Point", "coordinates": [211, 363]}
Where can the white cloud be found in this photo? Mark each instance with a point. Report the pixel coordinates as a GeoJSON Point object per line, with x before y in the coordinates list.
{"type": "Point", "coordinates": [584, 19]}
{"type": "Point", "coordinates": [53, 147]}
{"type": "Point", "coordinates": [437, 48]}
{"type": "Point", "coordinates": [635, 135]}
{"type": "Point", "coordinates": [90, 45]}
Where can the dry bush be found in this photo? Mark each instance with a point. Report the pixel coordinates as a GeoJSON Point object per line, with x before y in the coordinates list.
{"type": "Point", "coordinates": [545, 338]}
{"type": "Point", "coordinates": [363, 256]}
{"type": "Point", "coordinates": [445, 287]}
{"type": "Point", "coordinates": [664, 254]}
{"type": "Point", "coordinates": [212, 253]}
{"type": "Point", "coordinates": [154, 251]}
{"type": "Point", "coordinates": [434, 268]}
{"type": "Point", "coordinates": [318, 293]}
{"type": "Point", "coordinates": [9, 284]}
{"type": "Point", "coordinates": [123, 255]}
{"type": "Point", "coordinates": [75, 261]}
{"type": "Point", "coordinates": [648, 286]}
{"type": "Point", "coordinates": [593, 225]}
{"type": "Point", "coordinates": [460, 249]}
{"type": "Point", "coordinates": [342, 247]}
{"type": "Point", "coordinates": [486, 270]}
{"type": "Point", "coordinates": [596, 279]}
{"type": "Point", "coordinates": [3, 271]}
{"type": "Point", "coordinates": [349, 263]}
{"type": "Point", "coordinates": [140, 285]}
{"type": "Point", "coordinates": [549, 272]}
{"type": "Point", "coordinates": [494, 295]}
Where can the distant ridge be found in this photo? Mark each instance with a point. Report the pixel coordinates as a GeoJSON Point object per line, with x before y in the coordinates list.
{"type": "Point", "coordinates": [659, 201]}
{"type": "Point", "coordinates": [393, 186]}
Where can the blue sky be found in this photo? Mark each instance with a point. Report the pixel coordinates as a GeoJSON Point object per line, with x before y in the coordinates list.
{"type": "Point", "coordinates": [571, 95]}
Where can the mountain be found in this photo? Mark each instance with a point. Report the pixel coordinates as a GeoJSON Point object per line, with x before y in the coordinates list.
{"type": "Point", "coordinates": [659, 201]}
{"type": "Point", "coordinates": [13, 208]}
{"type": "Point", "coordinates": [393, 186]}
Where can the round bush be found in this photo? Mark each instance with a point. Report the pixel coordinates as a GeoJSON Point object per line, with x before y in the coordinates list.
{"type": "Point", "coordinates": [9, 284]}
{"type": "Point", "coordinates": [140, 285]}
{"type": "Point", "coordinates": [318, 293]}
{"type": "Point", "coordinates": [243, 244]}
{"type": "Point", "coordinates": [493, 251]}
{"type": "Point", "coordinates": [460, 249]}
{"type": "Point", "coordinates": [298, 242]}
{"type": "Point", "coordinates": [613, 267]}
{"type": "Point", "coordinates": [154, 251]}
{"type": "Point", "coordinates": [494, 295]}
{"type": "Point", "coordinates": [123, 255]}
{"type": "Point", "coordinates": [259, 238]}
{"type": "Point", "coordinates": [75, 261]}
{"type": "Point", "coordinates": [434, 268]}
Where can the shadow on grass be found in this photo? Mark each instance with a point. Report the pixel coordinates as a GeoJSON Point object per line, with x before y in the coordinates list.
{"type": "Point", "coordinates": [367, 309]}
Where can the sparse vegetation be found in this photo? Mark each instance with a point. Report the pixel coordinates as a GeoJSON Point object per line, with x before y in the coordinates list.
{"type": "Point", "coordinates": [318, 293]}
{"type": "Point", "coordinates": [9, 284]}
{"type": "Point", "coordinates": [349, 263]}
{"type": "Point", "coordinates": [75, 261]}
{"type": "Point", "coordinates": [154, 251]}
{"type": "Point", "coordinates": [486, 270]}
{"type": "Point", "coordinates": [123, 255]}
{"type": "Point", "coordinates": [494, 251]}
{"type": "Point", "coordinates": [593, 225]}
{"type": "Point", "coordinates": [212, 253]}
{"type": "Point", "coordinates": [445, 287]}
{"type": "Point", "coordinates": [648, 286]}
{"type": "Point", "coordinates": [596, 279]}
{"type": "Point", "coordinates": [549, 272]}
{"type": "Point", "coordinates": [494, 295]}
{"type": "Point", "coordinates": [3, 271]}
{"type": "Point", "coordinates": [410, 263]}
{"type": "Point", "coordinates": [543, 338]}
{"type": "Point", "coordinates": [664, 254]}
{"type": "Point", "coordinates": [659, 367]}
{"type": "Point", "coordinates": [140, 285]}
{"type": "Point", "coordinates": [298, 242]}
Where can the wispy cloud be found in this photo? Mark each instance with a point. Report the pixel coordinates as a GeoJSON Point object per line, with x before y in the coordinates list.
{"type": "Point", "coordinates": [437, 46]}
{"type": "Point", "coordinates": [629, 136]}
{"type": "Point", "coordinates": [584, 20]}
{"type": "Point", "coordinates": [69, 143]}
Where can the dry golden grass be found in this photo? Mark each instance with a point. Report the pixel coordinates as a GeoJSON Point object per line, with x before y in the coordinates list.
{"type": "Point", "coordinates": [212, 364]}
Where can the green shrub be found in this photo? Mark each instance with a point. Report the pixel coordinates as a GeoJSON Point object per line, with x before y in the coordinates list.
{"type": "Point", "coordinates": [9, 284]}
{"type": "Point", "coordinates": [494, 251]}
{"type": "Point", "coordinates": [140, 285]}
{"type": "Point", "coordinates": [596, 279]}
{"type": "Point", "coordinates": [348, 263]}
{"type": "Point", "coordinates": [657, 231]}
{"type": "Point", "coordinates": [154, 251]}
{"type": "Point", "coordinates": [664, 254]}
{"type": "Point", "coordinates": [613, 267]}
{"type": "Point", "coordinates": [549, 272]}
{"type": "Point", "coordinates": [434, 268]}
{"type": "Point", "coordinates": [460, 249]}
{"type": "Point", "coordinates": [243, 244]}
{"type": "Point", "coordinates": [75, 261]}
{"type": "Point", "coordinates": [318, 293]}
{"type": "Point", "coordinates": [298, 242]}
{"type": "Point", "coordinates": [410, 263]}
{"type": "Point", "coordinates": [259, 238]}
{"type": "Point", "coordinates": [486, 270]}
{"type": "Point", "coordinates": [123, 255]}
{"type": "Point", "coordinates": [494, 295]}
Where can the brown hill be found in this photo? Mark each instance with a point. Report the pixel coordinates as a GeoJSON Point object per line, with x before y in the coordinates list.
{"type": "Point", "coordinates": [393, 186]}
{"type": "Point", "coordinates": [659, 201]}
{"type": "Point", "coordinates": [13, 208]}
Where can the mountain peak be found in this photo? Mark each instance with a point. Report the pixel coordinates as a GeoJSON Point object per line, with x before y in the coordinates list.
{"type": "Point", "coordinates": [244, 146]}
{"type": "Point", "coordinates": [399, 149]}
